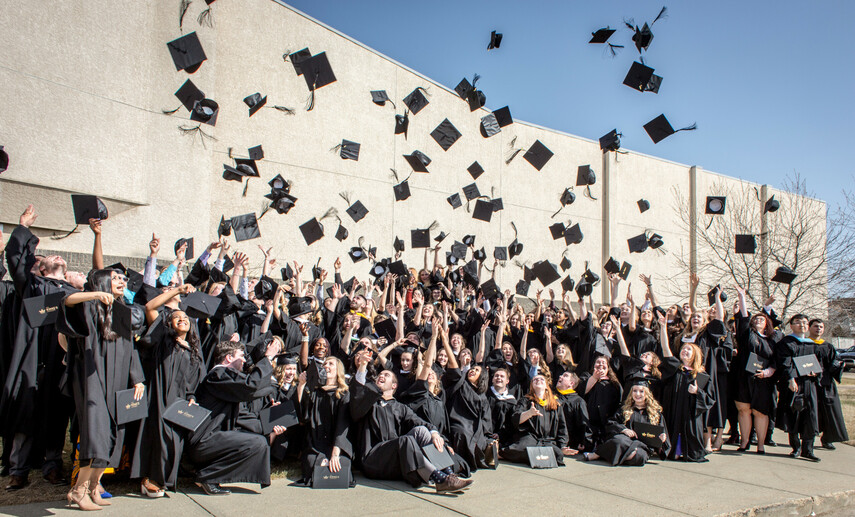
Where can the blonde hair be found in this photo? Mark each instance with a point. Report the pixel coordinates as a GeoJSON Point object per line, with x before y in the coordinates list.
{"type": "Point", "coordinates": [653, 408]}
{"type": "Point", "coordinates": [697, 365]}
{"type": "Point", "coordinates": [548, 394]}
{"type": "Point", "coordinates": [340, 380]}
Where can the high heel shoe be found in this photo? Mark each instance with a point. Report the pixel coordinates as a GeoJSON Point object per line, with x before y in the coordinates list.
{"type": "Point", "coordinates": [149, 489]}
{"type": "Point", "coordinates": [79, 495]}
{"type": "Point", "coordinates": [95, 495]}
{"type": "Point", "coordinates": [743, 449]}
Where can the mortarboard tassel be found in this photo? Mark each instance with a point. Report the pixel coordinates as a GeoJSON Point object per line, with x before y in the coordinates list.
{"type": "Point", "coordinates": [662, 14]}
{"type": "Point", "coordinates": [170, 112]}
{"type": "Point", "coordinates": [514, 152]}
{"type": "Point", "coordinates": [611, 49]}
{"type": "Point", "coordinates": [346, 197]}
{"type": "Point", "coordinates": [688, 128]}
{"type": "Point", "coordinates": [193, 131]}
{"type": "Point", "coordinates": [630, 22]}
{"type": "Point", "coordinates": [310, 103]}
{"type": "Point", "coordinates": [245, 187]}
{"type": "Point", "coordinates": [395, 175]}
{"type": "Point", "coordinates": [206, 18]}
{"type": "Point", "coordinates": [60, 237]}
{"type": "Point", "coordinates": [331, 212]}
{"type": "Point", "coordinates": [231, 151]}
{"type": "Point", "coordinates": [284, 109]}
{"type": "Point", "coordinates": [182, 10]}
{"type": "Point", "coordinates": [265, 207]}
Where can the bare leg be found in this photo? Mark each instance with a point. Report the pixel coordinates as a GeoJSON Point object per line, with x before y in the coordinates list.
{"type": "Point", "coordinates": [761, 423]}
{"type": "Point", "coordinates": [744, 423]}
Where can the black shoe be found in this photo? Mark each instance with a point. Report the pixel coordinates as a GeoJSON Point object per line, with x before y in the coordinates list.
{"type": "Point", "coordinates": [770, 443]}
{"type": "Point", "coordinates": [743, 449]}
{"type": "Point", "coordinates": [829, 446]}
{"type": "Point", "coordinates": [17, 483]}
{"type": "Point", "coordinates": [809, 456]}
{"type": "Point", "coordinates": [795, 453]}
{"type": "Point", "coordinates": [753, 439]}
{"type": "Point", "coordinates": [733, 440]}
{"type": "Point", "coordinates": [760, 452]}
{"type": "Point", "coordinates": [213, 489]}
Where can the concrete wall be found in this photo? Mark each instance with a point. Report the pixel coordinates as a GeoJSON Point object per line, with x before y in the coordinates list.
{"type": "Point", "coordinates": [80, 111]}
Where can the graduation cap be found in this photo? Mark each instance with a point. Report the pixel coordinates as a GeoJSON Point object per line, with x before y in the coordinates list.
{"type": "Point", "coordinates": [188, 254]}
{"type": "Point", "coordinates": [639, 78]}
{"type": "Point", "coordinates": [655, 241]}
{"type": "Point", "coordinates": [470, 272]}
{"type": "Point", "coordinates": [772, 204]}
{"type": "Point", "coordinates": [445, 134]}
{"type": "Point", "coordinates": [402, 190]}
{"type": "Point", "coordinates": [420, 238]}
{"type": "Point", "coordinates": [568, 283]}
{"type": "Point", "coordinates": [497, 204]}
{"type": "Point", "coordinates": [711, 295]}
{"type": "Point", "coordinates": [278, 183]}
{"type": "Point", "coordinates": [347, 150]}
{"type": "Point", "coordinates": [469, 240]}
{"type": "Point", "coordinates": [495, 40]}
{"type": "Point", "coordinates": [643, 205]}
{"type": "Point", "coordinates": [483, 210]}
{"type": "Point", "coordinates": [746, 244]}
{"type": "Point", "coordinates": [298, 57]}
{"type": "Point", "coordinates": [585, 176]}
{"type": "Point", "coordinates": [490, 125]}
{"type": "Point", "coordinates": [610, 141]}
{"type": "Point", "coordinates": [398, 245]}
{"type": "Point", "coordinates": [317, 71]}
{"type": "Point", "coordinates": [299, 305]}
{"type": "Point", "coordinates": [612, 266]}
{"type": "Point", "coordinates": [454, 200]}
{"type": "Point", "coordinates": [187, 52]}
{"type": "Point", "coordinates": [480, 255]}
{"type": "Point", "coordinates": [590, 277]}
{"type": "Point", "coordinates": [201, 108]}
{"type": "Point", "coordinates": [441, 237]}
{"type": "Point", "coordinates": [4, 159]}
{"type": "Point", "coordinates": [287, 273]}
{"type": "Point", "coordinates": [237, 173]}
{"type": "Point", "coordinates": [380, 97]}
{"type": "Point", "coordinates": [784, 275]}
{"type": "Point", "coordinates": [601, 36]}
{"type": "Point", "coordinates": [418, 161]}
{"type": "Point", "coordinates": [522, 288]}
{"type": "Point", "coordinates": [659, 129]}
{"type": "Point", "coordinates": [528, 274]}
{"type": "Point", "coordinates": [387, 329]}
{"type": "Point", "coordinates": [545, 272]}
{"type": "Point", "coordinates": [265, 288]}
{"type": "Point", "coordinates": [565, 264]}
{"type": "Point", "coordinates": [490, 289]}
{"type": "Point", "coordinates": [312, 231]}
{"type": "Point", "coordinates": [88, 207]}
{"type": "Point", "coordinates": [573, 235]}
{"type": "Point", "coordinates": [341, 234]}
{"type": "Point", "coordinates": [644, 35]}
{"type": "Point", "coordinates": [625, 268]}
{"type": "Point", "coordinates": [356, 254]}
{"type": "Point", "coordinates": [467, 91]}
{"type": "Point", "coordinates": [402, 122]}
{"type": "Point", "coordinates": [503, 116]}
{"type": "Point", "coordinates": [471, 192]}
{"type": "Point", "coordinates": [357, 211]}
{"type": "Point", "coordinates": [715, 205]}
{"type": "Point", "coordinates": [557, 230]}
{"type": "Point", "coordinates": [500, 253]}
{"type": "Point", "coordinates": [283, 203]}
{"type": "Point", "coordinates": [638, 244]}
{"type": "Point", "coordinates": [475, 170]}
{"type": "Point", "coordinates": [515, 248]}
{"type": "Point", "coordinates": [245, 227]}
{"type": "Point", "coordinates": [458, 249]}
{"type": "Point", "coordinates": [416, 100]}
{"type": "Point", "coordinates": [379, 269]}
{"type": "Point", "coordinates": [567, 197]}
{"type": "Point", "coordinates": [398, 268]}
{"type": "Point", "coordinates": [451, 259]}
{"type": "Point", "coordinates": [584, 288]}
{"type": "Point", "coordinates": [537, 155]}
{"type": "Point", "coordinates": [255, 102]}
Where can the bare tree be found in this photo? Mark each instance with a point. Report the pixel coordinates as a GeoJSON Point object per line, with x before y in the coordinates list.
{"type": "Point", "coordinates": [793, 236]}
{"type": "Point", "coordinates": [841, 267]}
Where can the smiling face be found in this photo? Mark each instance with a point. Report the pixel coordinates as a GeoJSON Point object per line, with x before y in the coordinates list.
{"type": "Point", "coordinates": [319, 350]}
{"type": "Point", "coordinates": [331, 368]}
{"type": "Point", "coordinates": [514, 320]}
{"type": "Point", "coordinates": [118, 282]}
{"type": "Point", "coordinates": [456, 343]}
{"type": "Point", "coordinates": [507, 352]}
{"type": "Point", "coordinates": [646, 317]}
{"type": "Point", "coordinates": [799, 326]}
{"type": "Point", "coordinates": [647, 358]}
{"type": "Point", "coordinates": [290, 373]}
{"type": "Point", "coordinates": [180, 322]}
{"type": "Point", "coordinates": [606, 329]}
{"type": "Point", "coordinates": [567, 381]}
{"type": "Point", "coordinates": [500, 380]}
{"type": "Point", "coordinates": [758, 323]}
{"type": "Point", "coordinates": [427, 312]}
{"type": "Point", "coordinates": [442, 358]}
{"type": "Point", "coordinates": [687, 353]}
{"type": "Point", "coordinates": [386, 381]}
{"type": "Point", "coordinates": [638, 396]}
{"type": "Point", "coordinates": [473, 375]}
{"type": "Point", "coordinates": [601, 366]}
{"type": "Point", "coordinates": [561, 352]}
{"type": "Point", "coordinates": [424, 277]}
{"type": "Point", "coordinates": [697, 320]}
{"type": "Point", "coordinates": [407, 361]}
{"type": "Point", "coordinates": [538, 385]}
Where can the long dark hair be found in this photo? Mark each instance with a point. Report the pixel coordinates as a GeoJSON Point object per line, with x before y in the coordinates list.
{"type": "Point", "coordinates": [192, 338]}
{"type": "Point", "coordinates": [102, 280]}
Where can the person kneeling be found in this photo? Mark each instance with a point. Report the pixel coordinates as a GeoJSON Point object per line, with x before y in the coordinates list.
{"type": "Point", "coordinates": [221, 453]}
{"type": "Point", "coordinates": [391, 435]}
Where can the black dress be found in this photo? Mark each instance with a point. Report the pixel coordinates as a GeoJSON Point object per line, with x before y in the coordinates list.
{"type": "Point", "coordinates": [831, 422]}
{"type": "Point", "coordinates": [469, 417]}
{"type": "Point", "coordinates": [327, 422]}
{"type": "Point", "coordinates": [759, 393]}
{"type": "Point", "coordinates": [602, 401]}
{"type": "Point", "coordinates": [97, 370]}
{"type": "Point", "coordinates": [618, 447]}
{"type": "Point", "coordinates": [221, 453]}
{"type": "Point", "coordinates": [717, 347]}
{"type": "Point", "coordinates": [547, 430]}
{"type": "Point", "coordinates": [684, 411]}
{"type": "Point", "coordinates": [173, 373]}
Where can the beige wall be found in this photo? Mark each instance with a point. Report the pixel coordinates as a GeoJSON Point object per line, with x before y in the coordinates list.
{"type": "Point", "coordinates": [80, 111]}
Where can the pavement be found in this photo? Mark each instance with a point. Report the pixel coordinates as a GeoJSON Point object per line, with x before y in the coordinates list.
{"type": "Point", "coordinates": [730, 483]}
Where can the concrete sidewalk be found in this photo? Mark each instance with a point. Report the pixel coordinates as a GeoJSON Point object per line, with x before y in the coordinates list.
{"type": "Point", "coordinates": [729, 482]}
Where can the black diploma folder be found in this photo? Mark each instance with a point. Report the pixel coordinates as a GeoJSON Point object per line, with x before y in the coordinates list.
{"type": "Point", "coordinates": [43, 310]}
{"type": "Point", "coordinates": [282, 414]}
{"type": "Point", "coordinates": [541, 457]}
{"type": "Point", "coordinates": [440, 460]}
{"type": "Point", "coordinates": [807, 364]}
{"type": "Point", "coordinates": [648, 434]}
{"type": "Point", "coordinates": [323, 478]}
{"type": "Point", "coordinates": [128, 409]}
{"type": "Point", "coordinates": [755, 364]}
{"type": "Point", "coordinates": [186, 415]}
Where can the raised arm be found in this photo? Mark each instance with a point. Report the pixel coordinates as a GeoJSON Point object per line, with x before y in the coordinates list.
{"type": "Point", "coordinates": [648, 281]}
{"type": "Point", "coordinates": [452, 360]}
{"type": "Point", "coordinates": [479, 357]}
{"type": "Point", "coordinates": [240, 259]}
{"type": "Point", "coordinates": [97, 250]}
{"type": "Point", "coordinates": [550, 354]}
{"type": "Point", "coordinates": [740, 296]}
{"type": "Point", "coordinates": [267, 263]}
{"type": "Point", "coordinates": [524, 343]}
{"type": "Point", "coordinates": [719, 307]}
{"type": "Point", "coordinates": [663, 336]}
{"type": "Point", "coordinates": [693, 289]}
{"type": "Point", "coordinates": [614, 282]}
{"type": "Point", "coordinates": [304, 344]}
{"type": "Point", "coordinates": [159, 300]}
{"type": "Point", "coordinates": [430, 354]}
{"type": "Point", "coordinates": [620, 339]}
{"type": "Point", "coordinates": [583, 309]}
{"type": "Point", "coordinates": [631, 324]}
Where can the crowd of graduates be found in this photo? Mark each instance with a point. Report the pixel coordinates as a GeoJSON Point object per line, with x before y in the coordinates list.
{"type": "Point", "coordinates": [421, 375]}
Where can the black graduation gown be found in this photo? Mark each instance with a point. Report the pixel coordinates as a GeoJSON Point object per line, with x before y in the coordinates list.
{"type": "Point", "coordinates": [576, 417]}
{"type": "Point", "coordinates": [759, 393]}
{"type": "Point", "coordinates": [584, 349]}
{"type": "Point", "coordinates": [172, 373]}
{"type": "Point", "coordinates": [429, 407]}
{"type": "Point", "coordinates": [683, 411]}
{"type": "Point", "coordinates": [221, 453]}
{"type": "Point", "coordinates": [495, 360]}
{"type": "Point", "coordinates": [717, 347]}
{"type": "Point", "coordinates": [501, 412]}
{"type": "Point", "coordinates": [806, 421]}
{"type": "Point", "coordinates": [469, 417]}
{"type": "Point", "coordinates": [97, 369]}
{"type": "Point", "coordinates": [602, 401]}
{"type": "Point", "coordinates": [631, 368]}
{"type": "Point", "coordinates": [31, 394]}
{"type": "Point", "coordinates": [547, 430]}
{"type": "Point", "coordinates": [382, 447]}
{"type": "Point", "coordinates": [221, 325]}
{"type": "Point", "coordinates": [831, 422]}
{"type": "Point", "coordinates": [616, 449]}
{"type": "Point", "coordinates": [327, 422]}
{"type": "Point", "coordinates": [642, 341]}
{"type": "Point", "coordinates": [291, 335]}
{"type": "Point", "coordinates": [292, 441]}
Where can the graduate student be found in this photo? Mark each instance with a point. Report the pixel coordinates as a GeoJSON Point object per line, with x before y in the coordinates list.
{"type": "Point", "coordinates": [831, 422]}
{"type": "Point", "coordinates": [575, 412]}
{"type": "Point", "coordinates": [221, 453]}
{"type": "Point", "coordinates": [101, 362]}
{"type": "Point", "coordinates": [391, 436]}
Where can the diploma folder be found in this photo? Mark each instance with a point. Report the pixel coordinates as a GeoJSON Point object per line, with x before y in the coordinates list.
{"type": "Point", "coordinates": [648, 434]}
{"type": "Point", "coordinates": [43, 310]}
{"type": "Point", "coordinates": [128, 409]}
{"type": "Point", "coordinates": [807, 364]}
{"type": "Point", "coordinates": [440, 460]}
{"type": "Point", "coordinates": [755, 364]}
{"type": "Point", "coordinates": [323, 478]}
{"type": "Point", "coordinates": [186, 415]}
{"type": "Point", "coordinates": [282, 414]}
{"type": "Point", "coordinates": [541, 457]}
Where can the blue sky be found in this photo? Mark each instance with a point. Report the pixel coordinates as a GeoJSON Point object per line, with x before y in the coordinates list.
{"type": "Point", "coordinates": [770, 84]}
